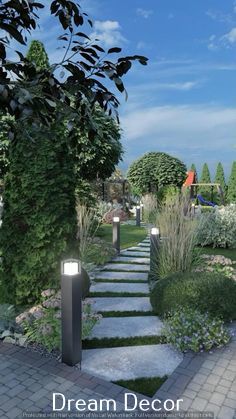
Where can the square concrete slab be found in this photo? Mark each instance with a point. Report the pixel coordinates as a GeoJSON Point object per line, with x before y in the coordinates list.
{"type": "Point", "coordinates": [127, 259]}
{"type": "Point", "coordinates": [135, 254]}
{"type": "Point", "coordinates": [130, 362]}
{"type": "Point", "coordinates": [122, 287]}
{"type": "Point", "coordinates": [121, 304]}
{"type": "Point", "coordinates": [135, 249]}
{"type": "Point", "coordinates": [126, 267]}
{"type": "Point", "coordinates": [122, 276]}
{"type": "Point", "coordinates": [125, 327]}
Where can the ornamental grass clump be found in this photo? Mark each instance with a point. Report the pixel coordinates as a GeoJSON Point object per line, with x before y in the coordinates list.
{"type": "Point", "coordinates": [150, 207]}
{"type": "Point", "coordinates": [188, 329]}
{"type": "Point", "coordinates": [178, 252]}
{"type": "Point", "coordinates": [87, 223]}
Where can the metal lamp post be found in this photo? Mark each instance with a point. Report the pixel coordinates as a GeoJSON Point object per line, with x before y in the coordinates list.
{"type": "Point", "coordinates": [116, 234]}
{"type": "Point", "coordinates": [154, 245]}
{"type": "Point", "coordinates": [142, 212]}
{"type": "Point", "coordinates": [71, 311]}
{"type": "Point", "coordinates": [138, 216]}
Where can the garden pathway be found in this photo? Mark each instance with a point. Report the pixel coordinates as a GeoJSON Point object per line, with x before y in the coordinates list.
{"type": "Point", "coordinates": [126, 343]}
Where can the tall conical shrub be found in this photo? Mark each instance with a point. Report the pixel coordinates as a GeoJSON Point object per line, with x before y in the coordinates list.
{"type": "Point", "coordinates": [231, 193]}
{"type": "Point", "coordinates": [205, 191]}
{"type": "Point", "coordinates": [194, 169]}
{"type": "Point", "coordinates": [220, 178]}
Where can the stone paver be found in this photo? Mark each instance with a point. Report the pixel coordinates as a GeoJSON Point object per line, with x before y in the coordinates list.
{"type": "Point", "coordinates": [129, 267]}
{"type": "Point", "coordinates": [130, 362]}
{"type": "Point", "coordinates": [125, 327]}
{"type": "Point", "coordinates": [120, 287]}
{"type": "Point", "coordinates": [136, 252]}
{"type": "Point", "coordinates": [121, 276]}
{"type": "Point", "coordinates": [120, 304]}
{"type": "Point", "coordinates": [127, 259]}
{"type": "Point", "coordinates": [200, 380]}
{"type": "Point", "coordinates": [136, 249]}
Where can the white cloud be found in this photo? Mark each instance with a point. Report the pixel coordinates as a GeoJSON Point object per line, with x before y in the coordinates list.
{"type": "Point", "coordinates": [230, 37]}
{"type": "Point", "coordinates": [178, 86]}
{"type": "Point", "coordinates": [218, 16]}
{"type": "Point", "coordinates": [108, 32]}
{"type": "Point", "coordinates": [188, 127]}
{"type": "Point", "coordinates": [144, 13]}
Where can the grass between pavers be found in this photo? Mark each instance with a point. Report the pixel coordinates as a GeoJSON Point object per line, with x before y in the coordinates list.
{"type": "Point", "coordinates": [146, 386]}
{"type": "Point", "coordinates": [126, 313]}
{"type": "Point", "coordinates": [96, 343]}
{"type": "Point", "coordinates": [121, 281]}
{"type": "Point", "coordinates": [129, 235]}
{"type": "Point", "coordinates": [129, 262]}
{"type": "Point", "coordinates": [228, 253]}
{"type": "Point", "coordinates": [118, 294]}
{"type": "Point", "coordinates": [130, 270]}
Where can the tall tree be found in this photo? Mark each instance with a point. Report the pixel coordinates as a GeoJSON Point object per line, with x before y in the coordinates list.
{"type": "Point", "coordinates": [194, 169]}
{"type": "Point", "coordinates": [231, 193]}
{"type": "Point", "coordinates": [205, 178]}
{"type": "Point", "coordinates": [220, 178]}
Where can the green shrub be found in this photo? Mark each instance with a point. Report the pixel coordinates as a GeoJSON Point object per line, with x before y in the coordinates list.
{"type": "Point", "coordinates": [188, 329]}
{"type": "Point", "coordinates": [39, 219]}
{"type": "Point", "coordinates": [43, 326]}
{"type": "Point", "coordinates": [206, 291]}
{"type": "Point", "coordinates": [156, 169]}
{"type": "Point", "coordinates": [218, 228]}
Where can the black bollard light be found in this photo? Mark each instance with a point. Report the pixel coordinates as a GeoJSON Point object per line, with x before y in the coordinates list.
{"type": "Point", "coordinates": [154, 247]}
{"type": "Point", "coordinates": [142, 212]}
{"type": "Point", "coordinates": [138, 216]}
{"type": "Point", "coordinates": [116, 234]}
{"type": "Point", "coordinates": [193, 210]}
{"type": "Point", "coordinates": [71, 311]}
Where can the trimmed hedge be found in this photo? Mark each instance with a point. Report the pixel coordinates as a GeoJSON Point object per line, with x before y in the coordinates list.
{"type": "Point", "coordinates": [206, 291]}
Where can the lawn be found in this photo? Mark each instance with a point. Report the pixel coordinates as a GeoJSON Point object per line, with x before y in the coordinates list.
{"type": "Point", "coordinates": [129, 235]}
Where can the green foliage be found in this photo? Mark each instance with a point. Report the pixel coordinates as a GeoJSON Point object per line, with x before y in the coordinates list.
{"type": "Point", "coordinates": [188, 329]}
{"type": "Point", "coordinates": [97, 159]}
{"type": "Point", "coordinates": [220, 178]}
{"type": "Point", "coordinates": [37, 55]}
{"type": "Point", "coordinates": [194, 169]}
{"type": "Point", "coordinates": [210, 292]}
{"type": "Point", "coordinates": [46, 329]}
{"type": "Point", "coordinates": [5, 124]}
{"type": "Point", "coordinates": [205, 178]}
{"type": "Point", "coordinates": [158, 169]}
{"type": "Point", "coordinates": [167, 193]}
{"type": "Point", "coordinates": [231, 193]}
{"type": "Point", "coordinates": [39, 219]}
{"type": "Point", "coordinates": [218, 228]}
{"type": "Point", "coordinates": [74, 77]}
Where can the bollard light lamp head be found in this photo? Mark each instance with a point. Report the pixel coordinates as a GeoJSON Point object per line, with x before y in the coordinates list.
{"type": "Point", "coordinates": [138, 207]}
{"type": "Point", "coordinates": [71, 267]}
{"type": "Point", "coordinates": [116, 219]}
{"type": "Point", "coordinates": [155, 231]}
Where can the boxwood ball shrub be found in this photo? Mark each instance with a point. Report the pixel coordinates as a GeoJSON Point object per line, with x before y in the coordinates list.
{"type": "Point", "coordinates": [209, 292]}
{"type": "Point", "coordinates": [188, 329]}
{"type": "Point", "coordinates": [157, 169]}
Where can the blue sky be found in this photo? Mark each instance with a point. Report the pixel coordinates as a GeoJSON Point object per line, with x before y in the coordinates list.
{"type": "Point", "coordinates": [184, 101]}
